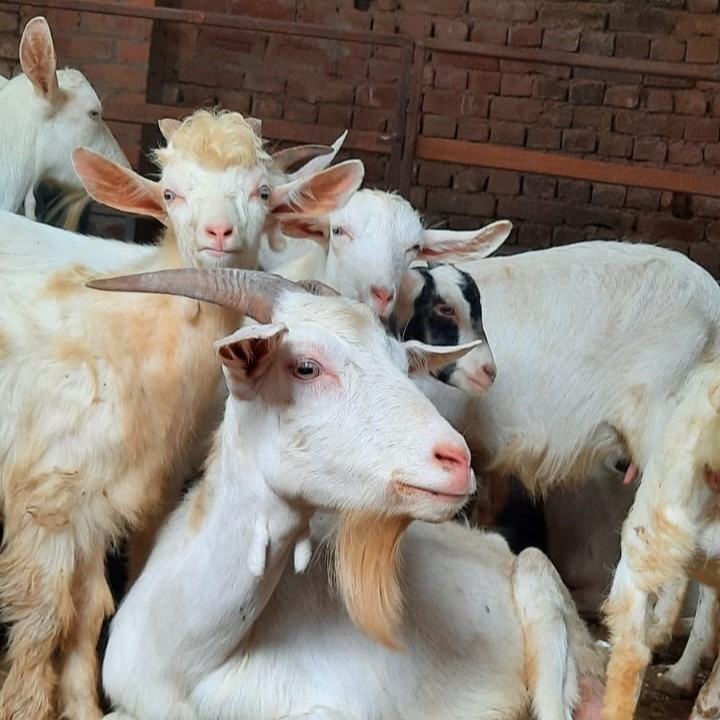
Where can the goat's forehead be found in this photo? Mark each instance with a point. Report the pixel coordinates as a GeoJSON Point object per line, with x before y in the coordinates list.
{"type": "Point", "coordinates": [381, 213]}
{"type": "Point", "coordinates": [192, 175]}
{"type": "Point", "coordinates": [74, 81]}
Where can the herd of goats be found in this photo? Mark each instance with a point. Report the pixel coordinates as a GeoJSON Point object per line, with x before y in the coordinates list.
{"type": "Point", "coordinates": [256, 437]}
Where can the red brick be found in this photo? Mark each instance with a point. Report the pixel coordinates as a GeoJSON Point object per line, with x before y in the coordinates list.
{"type": "Point", "coordinates": [659, 101]}
{"type": "Point", "coordinates": [484, 82]}
{"type": "Point", "coordinates": [543, 138]}
{"type": "Point", "coordinates": [560, 39]}
{"type": "Point", "coordinates": [579, 141]}
{"type": "Point", "coordinates": [516, 109]}
{"type": "Point", "coordinates": [650, 149]}
{"type": "Point", "coordinates": [264, 106]}
{"type": "Point", "coordinates": [469, 62]}
{"type": "Point", "coordinates": [415, 24]}
{"type": "Point", "coordinates": [9, 47]}
{"type": "Point", "coordinates": [473, 129]}
{"type": "Point", "coordinates": [439, 126]}
{"type": "Point", "coordinates": [645, 20]}
{"type": "Point", "coordinates": [550, 89]}
{"type": "Point", "coordinates": [554, 71]}
{"type": "Point", "coordinates": [531, 235]}
{"type": "Point", "coordinates": [706, 206]}
{"type": "Point", "coordinates": [597, 43]}
{"type": "Point", "coordinates": [451, 201]}
{"type": "Point", "coordinates": [507, 133]}
{"type": "Point", "coordinates": [417, 197]}
{"type": "Point", "coordinates": [557, 115]}
{"type": "Point", "coordinates": [702, 50]}
{"type": "Point", "coordinates": [132, 52]}
{"type": "Point", "coordinates": [493, 33]}
{"type": "Point", "coordinates": [635, 123]}
{"type": "Point", "coordinates": [234, 100]}
{"type": "Point", "coordinates": [632, 46]}
{"type": "Point", "coordinates": [383, 70]}
{"type": "Point", "coordinates": [515, 10]}
{"type": "Point", "coordinates": [613, 145]}
{"type": "Point", "coordinates": [587, 92]}
{"type": "Point", "coordinates": [299, 111]}
{"type": "Point", "coordinates": [517, 85]}
{"type": "Point", "coordinates": [702, 130]}
{"type": "Point", "coordinates": [82, 47]}
{"type": "Point", "coordinates": [702, 6]}
{"type": "Point", "coordinates": [384, 22]}
{"type": "Point", "coordinates": [387, 52]}
{"type": "Point", "coordinates": [470, 179]}
{"type": "Point", "coordinates": [452, 102]}
{"type": "Point", "coordinates": [565, 235]}
{"type": "Point", "coordinates": [434, 174]}
{"type": "Point", "coordinates": [627, 96]}
{"type": "Point", "coordinates": [539, 210]}
{"type": "Point", "coordinates": [707, 255]}
{"type": "Point", "coordinates": [375, 94]}
{"type": "Point", "coordinates": [690, 102]}
{"type": "Point", "coordinates": [117, 77]}
{"type": "Point", "coordinates": [503, 182]}
{"type": "Point", "coordinates": [594, 218]}
{"type": "Point", "coordinates": [451, 77]}
{"type": "Point", "coordinates": [668, 49]}
{"type": "Point", "coordinates": [711, 155]}
{"type": "Point", "coordinates": [8, 21]}
{"type": "Point", "coordinates": [587, 116]}
{"type": "Point", "coordinates": [575, 190]}
{"type": "Point", "coordinates": [352, 69]}
{"type": "Point", "coordinates": [61, 20]}
{"type": "Point", "coordinates": [525, 36]}
{"type": "Point", "coordinates": [267, 83]}
{"type": "Point", "coordinates": [581, 16]}
{"type": "Point", "coordinates": [663, 81]}
{"type": "Point", "coordinates": [608, 195]}
{"type": "Point", "coordinates": [665, 227]}
{"type": "Point", "coordinates": [450, 8]}
{"type": "Point", "coordinates": [642, 199]}
{"type": "Point", "coordinates": [447, 28]}
{"type": "Point", "coordinates": [539, 186]}
{"type": "Point", "coordinates": [116, 25]}
{"type": "Point", "coordinates": [684, 154]}
{"type": "Point", "coordinates": [335, 115]}
{"type": "Point", "coordinates": [371, 119]}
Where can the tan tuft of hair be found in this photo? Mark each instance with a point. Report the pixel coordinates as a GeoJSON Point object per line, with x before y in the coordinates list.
{"type": "Point", "coordinates": [367, 558]}
{"type": "Point", "coordinates": [214, 139]}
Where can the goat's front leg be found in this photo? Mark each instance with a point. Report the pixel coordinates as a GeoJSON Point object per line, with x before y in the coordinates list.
{"type": "Point", "coordinates": [36, 574]}
{"type": "Point", "coordinates": [79, 669]}
{"type": "Point", "coordinates": [666, 612]}
{"type": "Point", "coordinates": [707, 704]}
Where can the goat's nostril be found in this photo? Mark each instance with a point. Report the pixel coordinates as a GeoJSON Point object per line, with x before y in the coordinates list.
{"type": "Point", "coordinates": [219, 231]}
{"type": "Point", "coordinates": [384, 295]}
{"type": "Point", "coordinates": [490, 370]}
{"type": "Point", "coordinates": [452, 456]}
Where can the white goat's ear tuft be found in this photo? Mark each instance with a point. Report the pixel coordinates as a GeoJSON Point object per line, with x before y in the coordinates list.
{"type": "Point", "coordinates": [424, 358]}
{"type": "Point", "coordinates": [37, 58]}
{"type": "Point", "coordinates": [246, 355]}
{"type": "Point", "coordinates": [464, 245]}
{"type": "Point", "coordinates": [168, 126]}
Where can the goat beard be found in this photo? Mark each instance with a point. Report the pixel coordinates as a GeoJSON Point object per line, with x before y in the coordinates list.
{"type": "Point", "coordinates": [367, 558]}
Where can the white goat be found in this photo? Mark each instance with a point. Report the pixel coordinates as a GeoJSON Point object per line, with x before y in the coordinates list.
{"type": "Point", "coordinates": [44, 115]}
{"type": "Point", "coordinates": [105, 407]}
{"type": "Point", "coordinates": [363, 249]}
{"type": "Point", "coordinates": [218, 627]}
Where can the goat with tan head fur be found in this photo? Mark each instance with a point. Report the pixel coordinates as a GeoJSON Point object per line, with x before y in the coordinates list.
{"type": "Point", "coordinates": [107, 402]}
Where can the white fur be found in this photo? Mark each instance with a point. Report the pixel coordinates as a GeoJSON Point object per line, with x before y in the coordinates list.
{"type": "Point", "coordinates": [201, 635]}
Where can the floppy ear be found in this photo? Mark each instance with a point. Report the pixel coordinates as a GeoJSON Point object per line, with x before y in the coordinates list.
{"type": "Point", "coordinates": [464, 245]}
{"type": "Point", "coordinates": [37, 57]}
{"type": "Point", "coordinates": [118, 187]}
{"type": "Point", "coordinates": [424, 358]}
{"type": "Point", "coordinates": [246, 355]}
{"type": "Point", "coordinates": [168, 126]}
{"type": "Point", "coordinates": [315, 229]}
{"type": "Point", "coordinates": [321, 162]}
{"type": "Point", "coordinates": [317, 194]}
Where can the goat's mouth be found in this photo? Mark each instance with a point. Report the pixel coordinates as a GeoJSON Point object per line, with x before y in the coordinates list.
{"type": "Point", "coordinates": [214, 252]}
{"type": "Point", "coordinates": [434, 495]}
{"type": "Point", "coordinates": [478, 383]}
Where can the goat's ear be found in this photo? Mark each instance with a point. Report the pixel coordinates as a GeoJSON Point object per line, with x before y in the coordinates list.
{"type": "Point", "coordinates": [118, 187]}
{"type": "Point", "coordinates": [255, 124]}
{"type": "Point", "coordinates": [37, 57]}
{"type": "Point", "coordinates": [246, 355]}
{"type": "Point", "coordinates": [321, 161]}
{"type": "Point", "coordinates": [315, 229]}
{"type": "Point", "coordinates": [318, 194]}
{"type": "Point", "coordinates": [168, 126]}
{"type": "Point", "coordinates": [464, 245]}
{"type": "Point", "coordinates": [424, 358]}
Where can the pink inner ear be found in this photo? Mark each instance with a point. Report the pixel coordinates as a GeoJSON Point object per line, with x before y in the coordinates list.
{"type": "Point", "coordinates": [37, 57]}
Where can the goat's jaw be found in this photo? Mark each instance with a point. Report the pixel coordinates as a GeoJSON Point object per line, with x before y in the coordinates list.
{"type": "Point", "coordinates": [427, 504]}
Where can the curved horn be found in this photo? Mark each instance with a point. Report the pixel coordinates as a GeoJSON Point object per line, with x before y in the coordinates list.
{"type": "Point", "coordinates": [318, 288]}
{"type": "Point", "coordinates": [249, 292]}
{"type": "Point", "coordinates": [285, 159]}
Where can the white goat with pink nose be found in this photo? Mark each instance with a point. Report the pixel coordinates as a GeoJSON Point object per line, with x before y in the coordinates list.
{"type": "Point", "coordinates": [219, 627]}
{"type": "Point", "coordinates": [45, 114]}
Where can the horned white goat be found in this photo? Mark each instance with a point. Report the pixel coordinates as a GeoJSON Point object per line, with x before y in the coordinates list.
{"type": "Point", "coordinates": [45, 114]}
{"type": "Point", "coordinates": [363, 249]}
{"type": "Point", "coordinates": [105, 406]}
{"type": "Point", "coordinates": [217, 626]}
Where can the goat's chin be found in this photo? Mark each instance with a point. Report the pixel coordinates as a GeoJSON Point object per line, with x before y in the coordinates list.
{"type": "Point", "coordinates": [425, 504]}
{"type": "Point", "coordinates": [367, 553]}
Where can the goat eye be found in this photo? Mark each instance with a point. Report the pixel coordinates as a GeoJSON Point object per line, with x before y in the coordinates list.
{"type": "Point", "coordinates": [94, 114]}
{"type": "Point", "coordinates": [337, 231]}
{"type": "Point", "coordinates": [444, 310]}
{"type": "Point", "coordinates": [169, 195]}
{"type": "Point", "coordinates": [264, 192]}
{"type": "Point", "coordinates": [414, 248]}
{"type": "Point", "coordinates": [306, 369]}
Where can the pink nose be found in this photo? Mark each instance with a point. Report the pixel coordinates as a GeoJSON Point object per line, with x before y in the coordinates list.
{"type": "Point", "coordinates": [383, 297]}
{"type": "Point", "coordinates": [456, 461]}
{"type": "Point", "coordinates": [219, 233]}
{"type": "Point", "coordinates": [490, 370]}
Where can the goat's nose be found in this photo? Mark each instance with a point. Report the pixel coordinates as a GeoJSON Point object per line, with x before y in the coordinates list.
{"type": "Point", "coordinates": [219, 232]}
{"type": "Point", "coordinates": [456, 460]}
{"type": "Point", "coordinates": [383, 297]}
{"type": "Point", "coordinates": [490, 370]}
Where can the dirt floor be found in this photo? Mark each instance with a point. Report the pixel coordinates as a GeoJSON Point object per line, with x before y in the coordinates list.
{"type": "Point", "coordinates": [657, 705]}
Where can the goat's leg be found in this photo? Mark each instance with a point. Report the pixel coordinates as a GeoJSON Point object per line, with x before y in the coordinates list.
{"type": "Point", "coordinates": [666, 613]}
{"type": "Point", "coordinates": [36, 573]}
{"type": "Point", "coordinates": [707, 704]}
{"type": "Point", "coordinates": [79, 668]}
{"type": "Point", "coordinates": [681, 678]}
{"type": "Point", "coordinates": [563, 664]}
